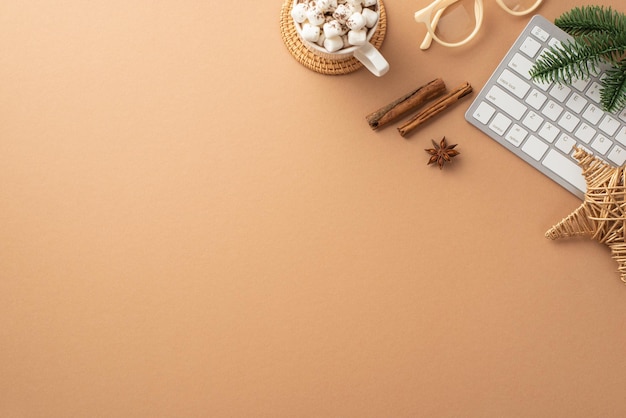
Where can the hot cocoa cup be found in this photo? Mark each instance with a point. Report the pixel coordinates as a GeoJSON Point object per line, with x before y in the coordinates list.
{"type": "Point", "coordinates": [339, 29]}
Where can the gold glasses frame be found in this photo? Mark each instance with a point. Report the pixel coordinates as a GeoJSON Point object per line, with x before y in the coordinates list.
{"type": "Point", "coordinates": [436, 9]}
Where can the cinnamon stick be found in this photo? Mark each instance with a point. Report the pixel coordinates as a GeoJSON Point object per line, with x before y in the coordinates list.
{"type": "Point", "coordinates": [406, 103]}
{"type": "Point", "coordinates": [434, 109]}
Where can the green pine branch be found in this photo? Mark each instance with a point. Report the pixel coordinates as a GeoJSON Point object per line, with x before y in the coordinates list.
{"type": "Point", "coordinates": [614, 91]}
{"type": "Point", "coordinates": [591, 19]}
{"type": "Point", "coordinates": [581, 58]}
{"type": "Point", "coordinates": [599, 40]}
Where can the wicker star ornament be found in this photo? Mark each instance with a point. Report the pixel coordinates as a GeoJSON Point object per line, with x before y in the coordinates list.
{"type": "Point", "coordinates": [602, 215]}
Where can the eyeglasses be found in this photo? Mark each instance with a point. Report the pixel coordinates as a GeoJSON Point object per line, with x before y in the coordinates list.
{"type": "Point", "coordinates": [453, 22]}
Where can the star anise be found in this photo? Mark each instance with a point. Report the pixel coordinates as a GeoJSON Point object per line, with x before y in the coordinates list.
{"type": "Point", "coordinates": [441, 153]}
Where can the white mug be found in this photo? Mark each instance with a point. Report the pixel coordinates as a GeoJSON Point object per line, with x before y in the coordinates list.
{"type": "Point", "coordinates": [366, 53]}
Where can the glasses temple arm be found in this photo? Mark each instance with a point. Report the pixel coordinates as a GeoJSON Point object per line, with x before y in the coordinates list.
{"type": "Point", "coordinates": [428, 39]}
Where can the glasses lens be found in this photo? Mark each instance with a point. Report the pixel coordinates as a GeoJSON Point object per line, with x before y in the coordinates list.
{"type": "Point", "coordinates": [519, 6]}
{"type": "Point", "coordinates": [454, 23]}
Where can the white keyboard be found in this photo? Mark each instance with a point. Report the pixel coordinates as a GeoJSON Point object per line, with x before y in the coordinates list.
{"type": "Point", "coordinates": [541, 122]}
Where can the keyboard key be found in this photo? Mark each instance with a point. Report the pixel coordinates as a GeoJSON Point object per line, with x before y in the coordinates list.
{"type": "Point", "coordinates": [505, 102]}
{"type": "Point", "coordinates": [621, 136]}
{"type": "Point", "coordinates": [516, 135]}
{"type": "Point", "coordinates": [565, 168]}
{"type": "Point", "coordinates": [576, 102]}
{"type": "Point", "coordinates": [545, 86]}
{"type": "Point", "coordinates": [594, 92]}
{"type": "Point", "coordinates": [552, 110]}
{"type": "Point", "coordinates": [585, 133]}
{"type": "Point", "coordinates": [540, 33]}
{"type": "Point", "coordinates": [521, 65]}
{"type": "Point", "coordinates": [536, 99]}
{"type": "Point", "coordinates": [532, 121]}
{"type": "Point", "coordinates": [500, 124]}
{"type": "Point", "coordinates": [568, 122]}
{"type": "Point", "coordinates": [601, 144]}
{"type": "Point", "coordinates": [580, 85]}
{"type": "Point", "coordinates": [560, 92]}
{"type": "Point", "coordinates": [593, 114]}
{"type": "Point", "coordinates": [565, 143]}
{"type": "Point", "coordinates": [483, 113]}
{"type": "Point", "coordinates": [617, 155]}
{"type": "Point", "coordinates": [548, 132]}
{"type": "Point", "coordinates": [553, 42]}
{"type": "Point", "coordinates": [530, 47]}
{"type": "Point", "coordinates": [622, 115]}
{"type": "Point", "coordinates": [535, 147]}
{"type": "Point", "coordinates": [513, 84]}
{"type": "Point", "coordinates": [609, 125]}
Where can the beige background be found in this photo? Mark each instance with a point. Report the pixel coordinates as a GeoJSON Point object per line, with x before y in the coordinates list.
{"type": "Point", "coordinates": [195, 225]}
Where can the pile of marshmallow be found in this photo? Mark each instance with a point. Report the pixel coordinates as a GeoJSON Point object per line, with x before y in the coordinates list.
{"type": "Point", "coordinates": [335, 24]}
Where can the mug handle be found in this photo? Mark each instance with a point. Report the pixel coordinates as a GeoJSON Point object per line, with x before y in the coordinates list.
{"type": "Point", "coordinates": [372, 59]}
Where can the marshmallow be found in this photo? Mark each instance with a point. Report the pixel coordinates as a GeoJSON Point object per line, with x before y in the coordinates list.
{"type": "Point", "coordinates": [333, 29]}
{"type": "Point", "coordinates": [324, 5]}
{"type": "Point", "coordinates": [346, 42]}
{"type": "Point", "coordinates": [316, 16]}
{"type": "Point", "coordinates": [355, 8]}
{"type": "Point", "coordinates": [369, 3]}
{"type": "Point", "coordinates": [357, 37]}
{"type": "Point", "coordinates": [356, 21]}
{"type": "Point", "coordinates": [371, 17]}
{"type": "Point", "coordinates": [311, 33]}
{"type": "Point", "coordinates": [299, 12]}
{"type": "Point", "coordinates": [342, 13]}
{"type": "Point", "coordinates": [321, 39]}
{"type": "Point", "coordinates": [333, 43]}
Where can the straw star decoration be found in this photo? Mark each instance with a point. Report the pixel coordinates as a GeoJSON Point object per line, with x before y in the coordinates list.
{"type": "Point", "coordinates": [602, 215]}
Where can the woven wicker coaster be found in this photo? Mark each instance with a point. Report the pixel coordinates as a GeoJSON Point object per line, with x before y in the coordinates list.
{"type": "Point", "coordinates": [322, 65]}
